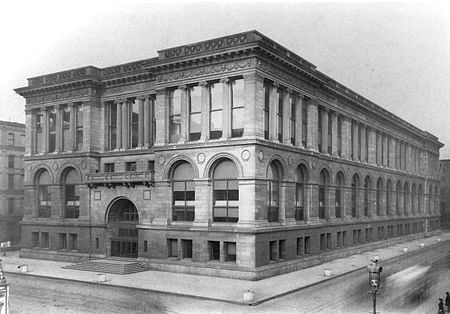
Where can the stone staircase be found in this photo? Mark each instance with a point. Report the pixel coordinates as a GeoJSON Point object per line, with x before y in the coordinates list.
{"type": "Point", "coordinates": [109, 266]}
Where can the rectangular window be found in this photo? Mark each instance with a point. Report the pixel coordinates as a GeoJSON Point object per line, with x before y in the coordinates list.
{"type": "Point", "coordinates": [307, 245]}
{"type": "Point", "coordinates": [226, 201]}
{"type": "Point", "coordinates": [367, 235]}
{"type": "Point", "coordinates": [282, 249]}
{"type": "Point", "coordinates": [215, 110]}
{"type": "Point", "coordinates": [339, 136]}
{"type": "Point", "coordinates": [97, 243]}
{"type": "Point", "coordinates": [359, 141]}
{"type": "Point", "coordinates": [366, 157]}
{"type": "Point", "coordinates": [359, 236]}
{"type": "Point", "coordinates": [183, 200]}
{"type": "Point", "coordinates": [214, 250]}
{"type": "Point", "coordinates": [280, 116]}
{"type": "Point", "coordinates": [10, 181]}
{"type": "Point", "coordinates": [273, 253]}
{"type": "Point", "coordinates": [44, 240]}
{"type": "Point", "coordinates": [237, 108]}
{"type": "Point", "coordinates": [355, 236]}
{"type": "Point", "coordinates": [377, 148]}
{"type": "Point", "coordinates": [145, 246]}
{"type": "Point", "coordinates": [109, 167]}
{"type": "Point", "coordinates": [186, 247]}
{"type": "Point", "coordinates": [319, 130]}
{"type": "Point", "coordinates": [300, 246]}
{"type": "Point", "coordinates": [79, 126]}
{"type": "Point", "coordinates": [10, 206]}
{"type": "Point", "coordinates": [174, 115]}
{"type": "Point", "coordinates": [293, 118]}
{"type": "Point", "coordinates": [112, 126]}
{"type": "Point", "coordinates": [52, 131]}
{"type": "Point", "coordinates": [322, 241]}
{"type": "Point", "coordinates": [339, 239]}
{"type": "Point", "coordinates": [388, 161]}
{"type": "Point", "coordinates": [11, 139]}
{"type": "Point", "coordinates": [133, 118]}
{"type": "Point", "coordinates": [130, 166]}
{"type": "Point", "coordinates": [73, 238]}
{"type": "Point", "coordinates": [329, 243]}
{"type": "Point", "coordinates": [330, 132]}
{"type": "Point", "coordinates": [35, 239]}
{"type": "Point", "coordinates": [352, 141]}
{"type": "Point", "coordinates": [11, 161]}
{"type": "Point", "coordinates": [72, 194]}
{"type": "Point", "coordinates": [172, 247]}
{"type": "Point", "coordinates": [304, 121]}
{"type": "Point", "coordinates": [266, 110]}
{"type": "Point", "coordinates": [230, 251]}
{"type": "Point", "coordinates": [344, 238]}
{"type": "Point", "coordinates": [195, 112]}
{"type": "Point", "coordinates": [63, 241]}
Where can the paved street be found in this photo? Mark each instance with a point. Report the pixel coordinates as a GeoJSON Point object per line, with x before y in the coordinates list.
{"type": "Point", "coordinates": [347, 295]}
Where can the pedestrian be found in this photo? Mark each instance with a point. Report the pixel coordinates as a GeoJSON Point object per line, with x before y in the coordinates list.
{"type": "Point", "coordinates": [441, 307]}
{"type": "Point", "coordinates": [447, 301]}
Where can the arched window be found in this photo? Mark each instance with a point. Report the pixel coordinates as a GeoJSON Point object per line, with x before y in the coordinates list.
{"type": "Point", "coordinates": [379, 200]}
{"type": "Point", "coordinates": [338, 194]}
{"type": "Point", "coordinates": [420, 197]}
{"type": "Point", "coordinates": [72, 193]}
{"type": "Point", "coordinates": [389, 197]}
{"type": "Point", "coordinates": [300, 179]}
{"type": "Point", "coordinates": [367, 186]}
{"type": "Point", "coordinates": [226, 192]}
{"type": "Point", "coordinates": [406, 199]}
{"type": "Point", "coordinates": [398, 190]}
{"type": "Point", "coordinates": [355, 188]}
{"type": "Point", "coordinates": [183, 193]}
{"type": "Point", "coordinates": [273, 187]}
{"type": "Point", "coordinates": [323, 187]}
{"type": "Point", "coordinates": [44, 198]}
{"type": "Point", "coordinates": [413, 199]}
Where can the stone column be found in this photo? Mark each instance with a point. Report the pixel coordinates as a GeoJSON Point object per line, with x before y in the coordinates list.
{"type": "Point", "coordinates": [363, 143]}
{"type": "Point", "coordinates": [30, 132]}
{"type": "Point", "coordinates": [385, 150]}
{"type": "Point", "coordinates": [226, 113]}
{"type": "Point", "coordinates": [331, 203]}
{"type": "Point", "coordinates": [346, 202]}
{"type": "Point", "coordinates": [254, 105]}
{"type": "Point", "coordinates": [355, 141]}
{"type": "Point", "coordinates": [346, 137]}
{"type": "Point", "coordinates": [125, 124]}
{"type": "Point", "coordinates": [324, 117]}
{"type": "Point", "coordinates": [118, 124]}
{"type": "Point", "coordinates": [148, 129]}
{"type": "Point", "coordinates": [184, 114]}
{"type": "Point", "coordinates": [59, 129]}
{"type": "Point", "coordinates": [334, 134]}
{"type": "Point", "coordinates": [205, 111]}
{"type": "Point", "coordinates": [312, 125]}
{"type": "Point", "coordinates": [379, 148]}
{"type": "Point", "coordinates": [141, 124]}
{"type": "Point", "coordinates": [273, 110]}
{"type": "Point", "coordinates": [298, 120]}
{"type": "Point", "coordinates": [311, 203]}
{"type": "Point", "coordinates": [162, 118]}
{"type": "Point", "coordinates": [203, 203]}
{"type": "Point", "coordinates": [372, 146]}
{"type": "Point", "coordinates": [287, 116]}
{"type": "Point", "coordinates": [391, 156]}
{"type": "Point", "coordinates": [45, 130]}
{"type": "Point", "coordinates": [408, 157]}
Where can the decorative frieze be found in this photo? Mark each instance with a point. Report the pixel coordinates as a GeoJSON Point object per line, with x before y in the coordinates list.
{"type": "Point", "coordinates": [58, 96]}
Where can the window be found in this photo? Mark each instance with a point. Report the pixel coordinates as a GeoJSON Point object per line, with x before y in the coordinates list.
{"type": "Point", "coordinates": [38, 127]}
{"type": "Point", "coordinates": [379, 187]}
{"type": "Point", "coordinates": [52, 131]}
{"type": "Point", "coordinates": [11, 139]}
{"type": "Point", "coordinates": [322, 241]}
{"type": "Point", "coordinates": [293, 118]}
{"type": "Point", "coordinates": [130, 166]}
{"type": "Point", "coordinates": [44, 240]}
{"type": "Point", "coordinates": [420, 192]}
{"type": "Point", "coordinates": [355, 194]}
{"type": "Point", "coordinates": [323, 187]}
{"type": "Point", "coordinates": [352, 141]}
{"type": "Point", "coordinates": [145, 246]}
{"type": "Point", "coordinates": [319, 129]}
{"type": "Point", "coordinates": [195, 112]}
{"type": "Point", "coordinates": [172, 247]}
{"type": "Point", "coordinates": [133, 117]}
{"type": "Point", "coordinates": [63, 241]}
{"type": "Point", "coordinates": [174, 115]}
{"type": "Point", "coordinates": [366, 147]}
{"type": "Point", "coordinates": [11, 161]}
{"type": "Point", "coordinates": [304, 122]}
{"type": "Point", "coordinates": [280, 116]}
{"type": "Point", "coordinates": [109, 167]}
{"type": "Point", "coordinates": [300, 176]}
{"type": "Point", "coordinates": [389, 197]}
{"type": "Point", "coordinates": [35, 239]}
{"type": "Point", "coordinates": [367, 235]}
{"type": "Point", "coordinates": [72, 193]}
{"type": "Point", "coordinates": [10, 206]}
{"type": "Point", "coordinates": [300, 246]}
{"type": "Point", "coordinates": [330, 132]}
{"type": "Point", "coordinates": [344, 238]}
{"type": "Point", "coordinates": [79, 126]}
{"type": "Point", "coordinates": [339, 239]}
{"type": "Point", "coordinates": [237, 108]}
{"type": "Point", "coordinates": [367, 185]}
{"type": "Point", "coordinates": [338, 193]}
{"type": "Point", "coordinates": [266, 109]}
{"type": "Point", "coordinates": [230, 251]}
{"type": "Point", "coordinates": [282, 249]}
{"type": "Point", "coordinates": [112, 126]}
{"type": "Point", "coordinates": [44, 197]}
{"type": "Point", "coordinates": [307, 245]}
{"type": "Point", "coordinates": [183, 193]}
{"type": "Point", "coordinates": [339, 136]}
{"type": "Point", "coordinates": [226, 192]}
{"type": "Point", "coordinates": [273, 251]}
{"type": "Point", "coordinates": [355, 237]}
{"type": "Point", "coordinates": [378, 148]}
{"type": "Point", "coordinates": [359, 126]}
{"type": "Point", "coordinates": [73, 238]}
{"type": "Point", "coordinates": [186, 248]}
{"type": "Point", "coordinates": [97, 243]}
{"type": "Point", "coordinates": [273, 187]}
{"type": "Point", "coordinates": [65, 138]}
{"type": "Point", "coordinates": [214, 250]}
{"type": "Point", "coordinates": [329, 243]}
{"type": "Point", "coordinates": [216, 110]}
{"type": "Point", "coordinates": [10, 181]}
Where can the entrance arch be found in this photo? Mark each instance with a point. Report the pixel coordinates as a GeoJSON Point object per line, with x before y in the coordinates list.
{"type": "Point", "coordinates": [121, 221]}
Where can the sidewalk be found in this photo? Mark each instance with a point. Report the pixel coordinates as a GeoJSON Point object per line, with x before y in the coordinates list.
{"type": "Point", "coordinates": [215, 288]}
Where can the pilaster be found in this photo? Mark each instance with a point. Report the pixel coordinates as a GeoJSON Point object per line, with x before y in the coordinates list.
{"type": "Point", "coordinates": [118, 124]}
{"type": "Point", "coordinates": [287, 116]}
{"type": "Point", "coordinates": [312, 125]}
{"type": "Point", "coordinates": [324, 117]}
{"type": "Point", "coordinates": [205, 105]}
{"type": "Point", "coordinates": [141, 122]}
{"type": "Point", "coordinates": [226, 113]}
{"type": "Point", "coordinates": [298, 120]}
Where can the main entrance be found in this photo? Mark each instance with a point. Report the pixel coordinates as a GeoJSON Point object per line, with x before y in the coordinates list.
{"type": "Point", "coordinates": [122, 220]}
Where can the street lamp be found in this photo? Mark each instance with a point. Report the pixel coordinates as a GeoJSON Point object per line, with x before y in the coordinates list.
{"type": "Point", "coordinates": [374, 280]}
{"type": "Point", "coordinates": [4, 292]}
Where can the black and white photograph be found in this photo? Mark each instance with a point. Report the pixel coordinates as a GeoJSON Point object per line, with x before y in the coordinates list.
{"type": "Point", "coordinates": [189, 157]}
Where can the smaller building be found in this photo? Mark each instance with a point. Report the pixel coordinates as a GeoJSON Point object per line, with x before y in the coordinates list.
{"type": "Point", "coordinates": [444, 173]}
{"type": "Point", "coordinates": [12, 149]}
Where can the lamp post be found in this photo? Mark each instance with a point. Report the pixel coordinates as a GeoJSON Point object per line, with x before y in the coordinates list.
{"type": "Point", "coordinates": [4, 292]}
{"type": "Point", "coordinates": [374, 280]}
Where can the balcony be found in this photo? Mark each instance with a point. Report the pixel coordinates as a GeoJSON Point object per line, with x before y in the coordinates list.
{"type": "Point", "coordinates": [128, 178]}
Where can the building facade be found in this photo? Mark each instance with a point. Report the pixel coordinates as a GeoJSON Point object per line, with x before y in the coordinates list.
{"type": "Point", "coordinates": [12, 146]}
{"type": "Point", "coordinates": [230, 157]}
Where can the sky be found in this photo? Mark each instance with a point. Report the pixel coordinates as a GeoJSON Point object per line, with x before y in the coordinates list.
{"type": "Point", "coordinates": [395, 54]}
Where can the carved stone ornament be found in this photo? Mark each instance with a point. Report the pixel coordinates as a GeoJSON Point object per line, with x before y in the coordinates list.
{"type": "Point", "coordinates": [290, 160]}
{"type": "Point", "coordinates": [161, 160]}
{"type": "Point", "coordinates": [245, 155]}
{"type": "Point", "coordinates": [83, 164]}
{"type": "Point", "coordinates": [313, 165]}
{"type": "Point", "coordinates": [260, 156]}
{"type": "Point", "coordinates": [55, 166]}
{"type": "Point", "coordinates": [201, 158]}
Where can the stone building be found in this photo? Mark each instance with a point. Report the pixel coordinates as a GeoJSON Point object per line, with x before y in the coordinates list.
{"type": "Point", "coordinates": [12, 146]}
{"type": "Point", "coordinates": [231, 157]}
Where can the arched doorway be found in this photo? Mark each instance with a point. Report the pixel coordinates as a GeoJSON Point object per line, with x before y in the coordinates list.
{"type": "Point", "coordinates": [121, 223]}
